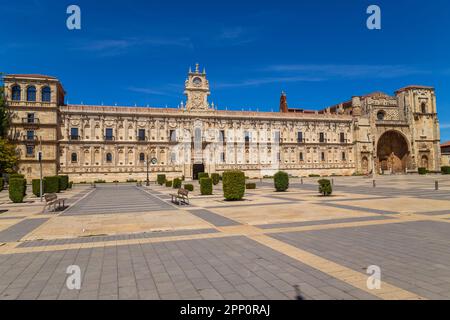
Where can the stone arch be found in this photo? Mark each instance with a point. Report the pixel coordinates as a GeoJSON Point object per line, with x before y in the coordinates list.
{"type": "Point", "coordinates": [393, 152]}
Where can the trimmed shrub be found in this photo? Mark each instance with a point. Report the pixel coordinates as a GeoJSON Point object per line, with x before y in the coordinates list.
{"type": "Point", "coordinates": [168, 183]}
{"type": "Point", "coordinates": [63, 182]}
{"type": "Point", "coordinates": [325, 187]}
{"type": "Point", "coordinates": [16, 190]}
{"type": "Point", "coordinates": [445, 170]}
{"type": "Point", "coordinates": [233, 185]}
{"type": "Point", "coordinates": [70, 184]}
{"type": "Point", "coordinates": [206, 186]}
{"type": "Point", "coordinates": [281, 181]}
{"type": "Point", "coordinates": [189, 187]}
{"type": "Point", "coordinates": [2, 184]}
{"type": "Point", "coordinates": [250, 186]}
{"type": "Point", "coordinates": [36, 184]}
{"type": "Point", "coordinates": [177, 183]}
{"type": "Point", "coordinates": [215, 178]}
{"type": "Point", "coordinates": [202, 175]}
{"type": "Point", "coordinates": [161, 179]}
{"type": "Point", "coordinates": [16, 176]}
{"type": "Point", "coordinates": [100, 181]}
{"type": "Point", "coordinates": [314, 176]}
{"type": "Point", "coordinates": [51, 184]}
{"type": "Point", "coordinates": [423, 171]}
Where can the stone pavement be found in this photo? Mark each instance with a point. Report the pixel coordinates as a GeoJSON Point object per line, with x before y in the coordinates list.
{"type": "Point", "coordinates": [132, 243]}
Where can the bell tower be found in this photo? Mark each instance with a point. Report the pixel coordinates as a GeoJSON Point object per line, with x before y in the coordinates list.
{"type": "Point", "coordinates": [197, 90]}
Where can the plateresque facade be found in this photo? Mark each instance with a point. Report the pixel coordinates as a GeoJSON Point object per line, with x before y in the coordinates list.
{"type": "Point", "coordinates": [391, 134]}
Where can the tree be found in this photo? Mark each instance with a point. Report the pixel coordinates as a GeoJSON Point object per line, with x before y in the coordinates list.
{"type": "Point", "coordinates": [4, 112]}
{"type": "Point", "coordinates": [8, 155]}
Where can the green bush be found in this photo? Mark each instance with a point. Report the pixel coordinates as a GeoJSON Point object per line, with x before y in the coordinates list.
{"type": "Point", "coordinates": [189, 187]}
{"type": "Point", "coordinates": [168, 183]}
{"type": "Point", "coordinates": [281, 181]}
{"type": "Point", "coordinates": [2, 184]}
{"type": "Point", "coordinates": [183, 178]}
{"type": "Point", "coordinates": [70, 184]}
{"type": "Point", "coordinates": [206, 186]}
{"type": "Point", "coordinates": [233, 185]}
{"type": "Point", "coordinates": [36, 186]}
{"type": "Point", "coordinates": [445, 170]}
{"type": "Point", "coordinates": [202, 175]}
{"type": "Point", "coordinates": [51, 184]}
{"type": "Point", "coordinates": [325, 187]}
{"type": "Point", "coordinates": [177, 183]}
{"type": "Point", "coordinates": [423, 171]}
{"type": "Point", "coordinates": [16, 176]}
{"type": "Point", "coordinates": [215, 178]}
{"type": "Point", "coordinates": [161, 179]}
{"type": "Point", "coordinates": [314, 176]}
{"type": "Point", "coordinates": [250, 186]}
{"type": "Point", "coordinates": [16, 190]}
{"type": "Point", "coordinates": [63, 182]}
{"type": "Point", "coordinates": [100, 181]}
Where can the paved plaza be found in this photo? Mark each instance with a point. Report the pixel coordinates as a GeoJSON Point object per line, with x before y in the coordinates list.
{"type": "Point", "coordinates": [131, 242]}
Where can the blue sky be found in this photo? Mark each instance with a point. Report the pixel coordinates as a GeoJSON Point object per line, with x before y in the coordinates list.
{"type": "Point", "coordinates": [319, 52]}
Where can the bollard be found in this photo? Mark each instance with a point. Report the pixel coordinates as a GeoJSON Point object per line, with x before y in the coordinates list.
{"type": "Point", "coordinates": [436, 185]}
{"type": "Point", "coordinates": [332, 182]}
{"type": "Point", "coordinates": [302, 181]}
{"type": "Point", "coordinates": [374, 183]}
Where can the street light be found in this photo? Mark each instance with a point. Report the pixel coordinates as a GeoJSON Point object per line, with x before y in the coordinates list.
{"type": "Point", "coordinates": [148, 165]}
{"type": "Point", "coordinates": [41, 184]}
{"type": "Point", "coordinates": [373, 157]}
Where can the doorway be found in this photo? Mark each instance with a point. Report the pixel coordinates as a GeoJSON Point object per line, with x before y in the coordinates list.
{"type": "Point", "coordinates": [196, 169]}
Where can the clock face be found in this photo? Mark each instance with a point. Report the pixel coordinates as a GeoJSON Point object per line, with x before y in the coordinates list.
{"type": "Point", "coordinates": [197, 82]}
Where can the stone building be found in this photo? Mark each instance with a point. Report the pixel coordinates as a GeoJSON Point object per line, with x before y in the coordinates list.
{"type": "Point", "coordinates": [393, 134]}
{"type": "Point", "coordinates": [445, 152]}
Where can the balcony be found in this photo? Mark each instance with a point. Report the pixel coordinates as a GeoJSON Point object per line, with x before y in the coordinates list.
{"type": "Point", "coordinates": [30, 121]}
{"type": "Point", "coordinates": [74, 138]}
{"type": "Point", "coordinates": [109, 138]}
{"type": "Point", "coordinates": [141, 138]}
{"type": "Point", "coordinates": [30, 139]}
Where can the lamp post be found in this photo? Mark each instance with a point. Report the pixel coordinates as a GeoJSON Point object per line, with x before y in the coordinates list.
{"type": "Point", "coordinates": [148, 164]}
{"type": "Point", "coordinates": [41, 184]}
{"type": "Point", "coordinates": [373, 158]}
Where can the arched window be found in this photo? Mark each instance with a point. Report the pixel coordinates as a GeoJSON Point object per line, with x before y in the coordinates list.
{"type": "Point", "coordinates": [424, 107]}
{"type": "Point", "coordinates": [141, 157]}
{"type": "Point", "coordinates": [74, 157]}
{"type": "Point", "coordinates": [46, 94]}
{"type": "Point", "coordinates": [108, 157]}
{"type": "Point", "coordinates": [31, 93]}
{"type": "Point", "coordinates": [16, 92]}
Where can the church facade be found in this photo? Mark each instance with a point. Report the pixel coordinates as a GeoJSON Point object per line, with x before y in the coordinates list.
{"type": "Point", "coordinates": [389, 134]}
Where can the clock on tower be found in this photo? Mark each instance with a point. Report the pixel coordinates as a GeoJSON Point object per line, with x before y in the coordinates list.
{"type": "Point", "coordinates": [197, 90]}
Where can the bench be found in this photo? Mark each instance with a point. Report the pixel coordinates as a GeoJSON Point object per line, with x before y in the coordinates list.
{"type": "Point", "coordinates": [182, 197]}
{"type": "Point", "coordinates": [51, 199]}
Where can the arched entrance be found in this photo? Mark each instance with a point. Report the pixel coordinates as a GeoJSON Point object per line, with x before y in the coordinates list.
{"type": "Point", "coordinates": [393, 152]}
{"type": "Point", "coordinates": [365, 165]}
{"type": "Point", "coordinates": [424, 162]}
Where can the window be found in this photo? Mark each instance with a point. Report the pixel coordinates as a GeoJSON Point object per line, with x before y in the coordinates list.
{"type": "Point", "coordinates": [278, 156]}
{"type": "Point", "coordinates": [322, 156]}
{"type": "Point", "coordinates": [342, 137]}
{"type": "Point", "coordinates": [31, 93]}
{"type": "Point", "coordinates": [222, 157]}
{"type": "Point", "coordinates": [30, 118]}
{"type": "Point", "coordinates": [301, 156]}
{"type": "Point", "coordinates": [424, 107]}
{"type": "Point", "coordinates": [46, 94]}
{"type": "Point", "coordinates": [30, 135]}
{"type": "Point", "coordinates": [74, 157]}
{"type": "Point", "coordinates": [198, 135]}
{"type": "Point", "coordinates": [109, 134]}
{"type": "Point", "coordinates": [277, 136]}
{"type": "Point", "coordinates": [30, 151]}
{"type": "Point", "coordinates": [141, 134]}
{"type": "Point", "coordinates": [16, 92]}
{"type": "Point", "coordinates": [141, 157]}
{"type": "Point", "coordinates": [321, 137]}
{"type": "Point", "coordinates": [222, 135]}
{"type": "Point", "coordinates": [173, 157]}
{"type": "Point", "coordinates": [380, 115]}
{"type": "Point", "coordinates": [108, 157]}
{"type": "Point", "coordinates": [300, 137]}
{"type": "Point", "coordinates": [173, 136]}
{"type": "Point", "coordinates": [74, 134]}
{"type": "Point", "coordinates": [344, 156]}
{"type": "Point", "coordinates": [247, 136]}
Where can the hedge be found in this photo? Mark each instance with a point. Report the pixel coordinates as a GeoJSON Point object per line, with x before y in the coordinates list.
{"type": "Point", "coordinates": [177, 183]}
{"type": "Point", "coordinates": [16, 190]}
{"type": "Point", "coordinates": [206, 186]}
{"type": "Point", "coordinates": [63, 182]}
{"type": "Point", "coordinates": [445, 170]}
{"type": "Point", "coordinates": [250, 186]}
{"type": "Point", "coordinates": [100, 181]}
{"type": "Point", "coordinates": [233, 185]}
{"type": "Point", "coordinates": [325, 187]}
{"type": "Point", "coordinates": [215, 178]}
{"type": "Point", "coordinates": [189, 187]}
{"type": "Point", "coordinates": [2, 184]}
{"type": "Point", "coordinates": [168, 183]}
{"type": "Point", "coordinates": [51, 184]}
{"type": "Point", "coordinates": [423, 171]}
{"type": "Point", "coordinates": [20, 176]}
{"type": "Point", "coordinates": [202, 175]}
{"type": "Point", "coordinates": [281, 181]}
{"type": "Point", "coordinates": [36, 183]}
{"type": "Point", "coordinates": [161, 179]}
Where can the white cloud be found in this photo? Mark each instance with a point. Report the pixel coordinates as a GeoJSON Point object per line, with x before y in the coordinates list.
{"type": "Point", "coordinates": [265, 80]}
